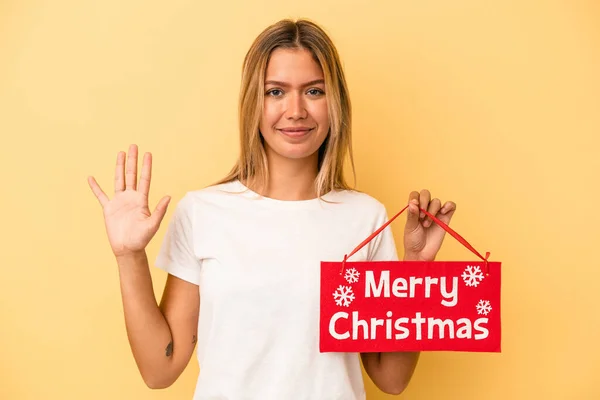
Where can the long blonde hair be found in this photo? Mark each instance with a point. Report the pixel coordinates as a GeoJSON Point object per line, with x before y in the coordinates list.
{"type": "Point", "coordinates": [252, 162]}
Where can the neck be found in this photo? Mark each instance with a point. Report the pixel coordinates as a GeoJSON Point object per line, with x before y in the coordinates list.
{"type": "Point", "coordinates": [291, 179]}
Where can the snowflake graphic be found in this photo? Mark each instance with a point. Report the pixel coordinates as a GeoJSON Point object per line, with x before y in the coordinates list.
{"type": "Point", "coordinates": [343, 296]}
{"type": "Point", "coordinates": [483, 307]}
{"type": "Point", "coordinates": [472, 275]}
{"type": "Point", "coordinates": [352, 275]}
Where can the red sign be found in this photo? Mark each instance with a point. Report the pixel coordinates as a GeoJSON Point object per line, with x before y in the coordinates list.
{"type": "Point", "coordinates": [385, 306]}
{"type": "Point", "coordinates": [410, 306]}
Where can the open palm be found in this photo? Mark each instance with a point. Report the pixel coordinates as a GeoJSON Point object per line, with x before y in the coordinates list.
{"type": "Point", "coordinates": [129, 224]}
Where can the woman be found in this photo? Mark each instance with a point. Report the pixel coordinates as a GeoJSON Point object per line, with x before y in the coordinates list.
{"type": "Point", "coordinates": [243, 255]}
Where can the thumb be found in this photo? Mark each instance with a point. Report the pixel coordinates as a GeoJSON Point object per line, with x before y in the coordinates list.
{"type": "Point", "coordinates": [160, 210]}
{"type": "Point", "coordinates": [412, 220]}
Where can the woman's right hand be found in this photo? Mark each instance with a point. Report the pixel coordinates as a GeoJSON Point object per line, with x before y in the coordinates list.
{"type": "Point", "coordinates": [129, 224]}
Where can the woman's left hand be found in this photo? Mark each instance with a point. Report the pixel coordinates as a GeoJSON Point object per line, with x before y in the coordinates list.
{"type": "Point", "coordinates": [422, 236]}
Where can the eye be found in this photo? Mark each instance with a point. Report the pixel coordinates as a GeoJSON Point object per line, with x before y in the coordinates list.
{"type": "Point", "coordinates": [315, 92]}
{"type": "Point", "coordinates": [274, 92]}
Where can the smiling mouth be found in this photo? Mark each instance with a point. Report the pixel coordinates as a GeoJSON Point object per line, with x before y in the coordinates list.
{"type": "Point", "coordinates": [295, 132]}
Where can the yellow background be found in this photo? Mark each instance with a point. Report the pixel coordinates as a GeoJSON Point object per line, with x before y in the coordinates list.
{"type": "Point", "coordinates": [492, 104]}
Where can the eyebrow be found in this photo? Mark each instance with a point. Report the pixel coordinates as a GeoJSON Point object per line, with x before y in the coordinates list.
{"type": "Point", "coordinates": [283, 84]}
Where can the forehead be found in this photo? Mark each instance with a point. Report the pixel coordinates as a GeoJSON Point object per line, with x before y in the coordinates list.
{"type": "Point", "coordinates": [293, 66]}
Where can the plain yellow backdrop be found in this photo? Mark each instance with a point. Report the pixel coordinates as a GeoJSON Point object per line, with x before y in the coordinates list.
{"type": "Point", "coordinates": [492, 104]}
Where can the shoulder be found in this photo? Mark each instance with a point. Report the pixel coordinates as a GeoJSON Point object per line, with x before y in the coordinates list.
{"type": "Point", "coordinates": [213, 193]}
{"type": "Point", "coordinates": [361, 202]}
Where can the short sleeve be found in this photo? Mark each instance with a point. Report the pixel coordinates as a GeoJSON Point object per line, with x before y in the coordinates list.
{"type": "Point", "coordinates": [176, 254]}
{"type": "Point", "coordinates": [383, 246]}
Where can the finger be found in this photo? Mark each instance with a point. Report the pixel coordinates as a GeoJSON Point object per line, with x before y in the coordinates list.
{"type": "Point", "coordinates": [119, 172]}
{"type": "Point", "coordinates": [449, 206]}
{"type": "Point", "coordinates": [146, 176]}
{"type": "Point", "coordinates": [412, 220]}
{"type": "Point", "coordinates": [131, 171]}
{"type": "Point", "coordinates": [100, 195]}
{"type": "Point", "coordinates": [447, 212]}
{"type": "Point", "coordinates": [436, 232]}
{"type": "Point", "coordinates": [160, 210]}
{"type": "Point", "coordinates": [424, 198]}
{"type": "Point", "coordinates": [434, 207]}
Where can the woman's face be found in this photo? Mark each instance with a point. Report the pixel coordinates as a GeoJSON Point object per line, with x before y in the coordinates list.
{"type": "Point", "coordinates": [295, 120]}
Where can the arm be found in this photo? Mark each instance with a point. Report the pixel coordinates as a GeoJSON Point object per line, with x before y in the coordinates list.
{"type": "Point", "coordinates": [391, 372]}
{"type": "Point", "coordinates": [162, 339]}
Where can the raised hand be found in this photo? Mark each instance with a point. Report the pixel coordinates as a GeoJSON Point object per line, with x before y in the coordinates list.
{"type": "Point", "coordinates": [422, 236]}
{"type": "Point", "coordinates": [129, 224]}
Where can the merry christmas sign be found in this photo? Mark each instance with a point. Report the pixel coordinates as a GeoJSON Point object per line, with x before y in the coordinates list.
{"type": "Point", "coordinates": [383, 306]}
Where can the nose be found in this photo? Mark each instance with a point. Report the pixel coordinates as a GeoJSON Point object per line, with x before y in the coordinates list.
{"type": "Point", "coordinates": [296, 109]}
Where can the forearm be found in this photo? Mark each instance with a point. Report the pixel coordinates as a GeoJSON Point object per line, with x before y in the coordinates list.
{"type": "Point", "coordinates": [391, 371]}
{"type": "Point", "coordinates": [398, 368]}
{"type": "Point", "coordinates": [147, 329]}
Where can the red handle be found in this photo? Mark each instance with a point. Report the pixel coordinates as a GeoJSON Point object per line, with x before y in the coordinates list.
{"type": "Point", "coordinates": [437, 221]}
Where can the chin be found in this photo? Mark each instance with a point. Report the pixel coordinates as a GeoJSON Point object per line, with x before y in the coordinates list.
{"type": "Point", "coordinates": [295, 152]}
{"type": "Point", "coordinates": [296, 155]}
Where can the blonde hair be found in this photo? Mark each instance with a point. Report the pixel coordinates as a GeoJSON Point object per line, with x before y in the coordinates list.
{"type": "Point", "coordinates": [252, 162]}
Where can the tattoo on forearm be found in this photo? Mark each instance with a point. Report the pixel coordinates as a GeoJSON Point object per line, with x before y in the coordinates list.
{"type": "Point", "coordinates": [170, 349]}
{"type": "Point", "coordinates": [194, 339]}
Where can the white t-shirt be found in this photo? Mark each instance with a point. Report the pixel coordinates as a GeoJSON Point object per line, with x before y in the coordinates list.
{"type": "Point", "coordinates": [257, 263]}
